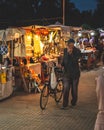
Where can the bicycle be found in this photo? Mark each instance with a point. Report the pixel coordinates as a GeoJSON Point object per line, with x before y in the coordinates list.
{"type": "Point", "coordinates": [47, 90]}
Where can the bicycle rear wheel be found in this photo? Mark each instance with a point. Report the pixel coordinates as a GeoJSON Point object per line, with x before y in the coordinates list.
{"type": "Point", "coordinates": [59, 91]}
{"type": "Point", "coordinates": [44, 97]}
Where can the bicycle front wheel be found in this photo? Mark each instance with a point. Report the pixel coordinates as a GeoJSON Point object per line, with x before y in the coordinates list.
{"type": "Point", "coordinates": [59, 91]}
{"type": "Point", "coordinates": [44, 97]}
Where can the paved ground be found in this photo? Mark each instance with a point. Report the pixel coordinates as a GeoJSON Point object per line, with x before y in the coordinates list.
{"type": "Point", "coordinates": [22, 111]}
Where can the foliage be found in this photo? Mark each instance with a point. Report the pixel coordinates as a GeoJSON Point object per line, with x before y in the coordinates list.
{"type": "Point", "coordinates": [45, 12]}
{"type": "Point", "coordinates": [99, 14]}
{"type": "Point", "coordinates": [86, 27]}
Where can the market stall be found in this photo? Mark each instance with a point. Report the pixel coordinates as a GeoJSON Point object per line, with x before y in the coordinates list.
{"type": "Point", "coordinates": [29, 47]}
{"type": "Point", "coordinates": [42, 45]}
{"type": "Point", "coordinates": [85, 42]}
{"type": "Point", "coordinates": [100, 44]}
{"type": "Point", "coordinates": [6, 61]}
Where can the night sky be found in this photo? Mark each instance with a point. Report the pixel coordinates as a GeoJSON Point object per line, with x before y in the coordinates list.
{"type": "Point", "coordinates": [85, 4]}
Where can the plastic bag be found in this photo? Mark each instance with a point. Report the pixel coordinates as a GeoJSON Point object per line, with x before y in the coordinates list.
{"type": "Point", "coordinates": [53, 79]}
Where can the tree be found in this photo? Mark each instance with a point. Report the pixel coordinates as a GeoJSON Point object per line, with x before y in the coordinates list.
{"type": "Point", "coordinates": [86, 27]}
{"type": "Point", "coordinates": [49, 9]}
{"type": "Point", "coordinates": [99, 14]}
{"type": "Point", "coordinates": [86, 17]}
{"type": "Point", "coordinates": [45, 12]}
{"type": "Point", "coordinates": [16, 9]}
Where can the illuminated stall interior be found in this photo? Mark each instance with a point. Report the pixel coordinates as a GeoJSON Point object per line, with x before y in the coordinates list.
{"type": "Point", "coordinates": [42, 41]}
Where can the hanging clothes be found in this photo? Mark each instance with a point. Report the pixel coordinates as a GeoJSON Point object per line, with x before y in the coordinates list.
{"type": "Point", "coordinates": [19, 50]}
{"type": "Point", "coordinates": [23, 50]}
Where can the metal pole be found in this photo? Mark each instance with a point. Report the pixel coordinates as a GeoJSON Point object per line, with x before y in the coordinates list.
{"type": "Point", "coordinates": [12, 52]}
{"type": "Point", "coordinates": [63, 12]}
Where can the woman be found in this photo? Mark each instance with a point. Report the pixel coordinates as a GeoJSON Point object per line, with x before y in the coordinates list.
{"type": "Point", "coordinates": [99, 124]}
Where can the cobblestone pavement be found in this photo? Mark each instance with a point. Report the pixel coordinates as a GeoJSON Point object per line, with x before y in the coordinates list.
{"type": "Point", "coordinates": [22, 111]}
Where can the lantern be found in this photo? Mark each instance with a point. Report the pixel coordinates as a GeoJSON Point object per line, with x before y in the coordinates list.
{"type": "Point", "coordinates": [38, 31]}
{"type": "Point", "coordinates": [45, 32]}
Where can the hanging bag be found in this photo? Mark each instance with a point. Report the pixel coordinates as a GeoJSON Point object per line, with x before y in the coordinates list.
{"type": "Point", "coordinates": [3, 46]}
{"type": "Point", "coordinates": [23, 50]}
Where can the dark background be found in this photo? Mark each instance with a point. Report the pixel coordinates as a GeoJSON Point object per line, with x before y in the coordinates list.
{"type": "Point", "coordinates": [84, 5]}
{"type": "Point", "coordinates": [45, 12]}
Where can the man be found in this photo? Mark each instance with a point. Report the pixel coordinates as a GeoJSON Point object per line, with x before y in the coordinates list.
{"type": "Point", "coordinates": [71, 76]}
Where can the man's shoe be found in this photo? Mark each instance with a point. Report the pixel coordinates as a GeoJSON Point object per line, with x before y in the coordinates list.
{"type": "Point", "coordinates": [64, 108]}
{"type": "Point", "coordinates": [73, 103]}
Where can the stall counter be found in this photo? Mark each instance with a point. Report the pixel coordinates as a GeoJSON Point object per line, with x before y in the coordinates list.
{"type": "Point", "coordinates": [36, 67]}
{"type": "Point", "coordinates": [52, 60]}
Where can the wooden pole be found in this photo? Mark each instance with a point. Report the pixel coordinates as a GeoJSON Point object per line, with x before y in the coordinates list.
{"type": "Point", "coordinates": [63, 12]}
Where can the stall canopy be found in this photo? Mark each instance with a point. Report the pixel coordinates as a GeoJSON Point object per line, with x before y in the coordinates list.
{"type": "Point", "coordinates": [65, 30]}
{"type": "Point", "coordinates": [11, 34]}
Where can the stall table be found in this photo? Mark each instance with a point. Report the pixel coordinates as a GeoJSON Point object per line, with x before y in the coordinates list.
{"type": "Point", "coordinates": [36, 67]}
{"type": "Point", "coordinates": [88, 59]}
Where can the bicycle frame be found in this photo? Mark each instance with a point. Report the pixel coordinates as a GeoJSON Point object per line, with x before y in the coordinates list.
{"type": "Point", "coordinates": [47, 90]}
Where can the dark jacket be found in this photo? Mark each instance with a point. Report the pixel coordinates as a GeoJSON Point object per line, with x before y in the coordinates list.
{"type": "Point", "coordinates": [70, 63]}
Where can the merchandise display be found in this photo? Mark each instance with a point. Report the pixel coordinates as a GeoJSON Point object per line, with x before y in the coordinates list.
{"type": "Point", "coordinates": [85, 41]}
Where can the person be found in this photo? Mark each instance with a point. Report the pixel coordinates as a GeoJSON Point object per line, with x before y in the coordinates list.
{"type": "Point", "coordinates": [31, 60]}
{"type": "Point", "coordinates": [71, 74]}
{"type": "Point", "coordinates": [103, 50]}
{"type": "Point", "coordinates": [7, 61]}
{"type": "Point", "coordinates": [99, 124]}
{"type": "Point", "coordinates": [24, 61]}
